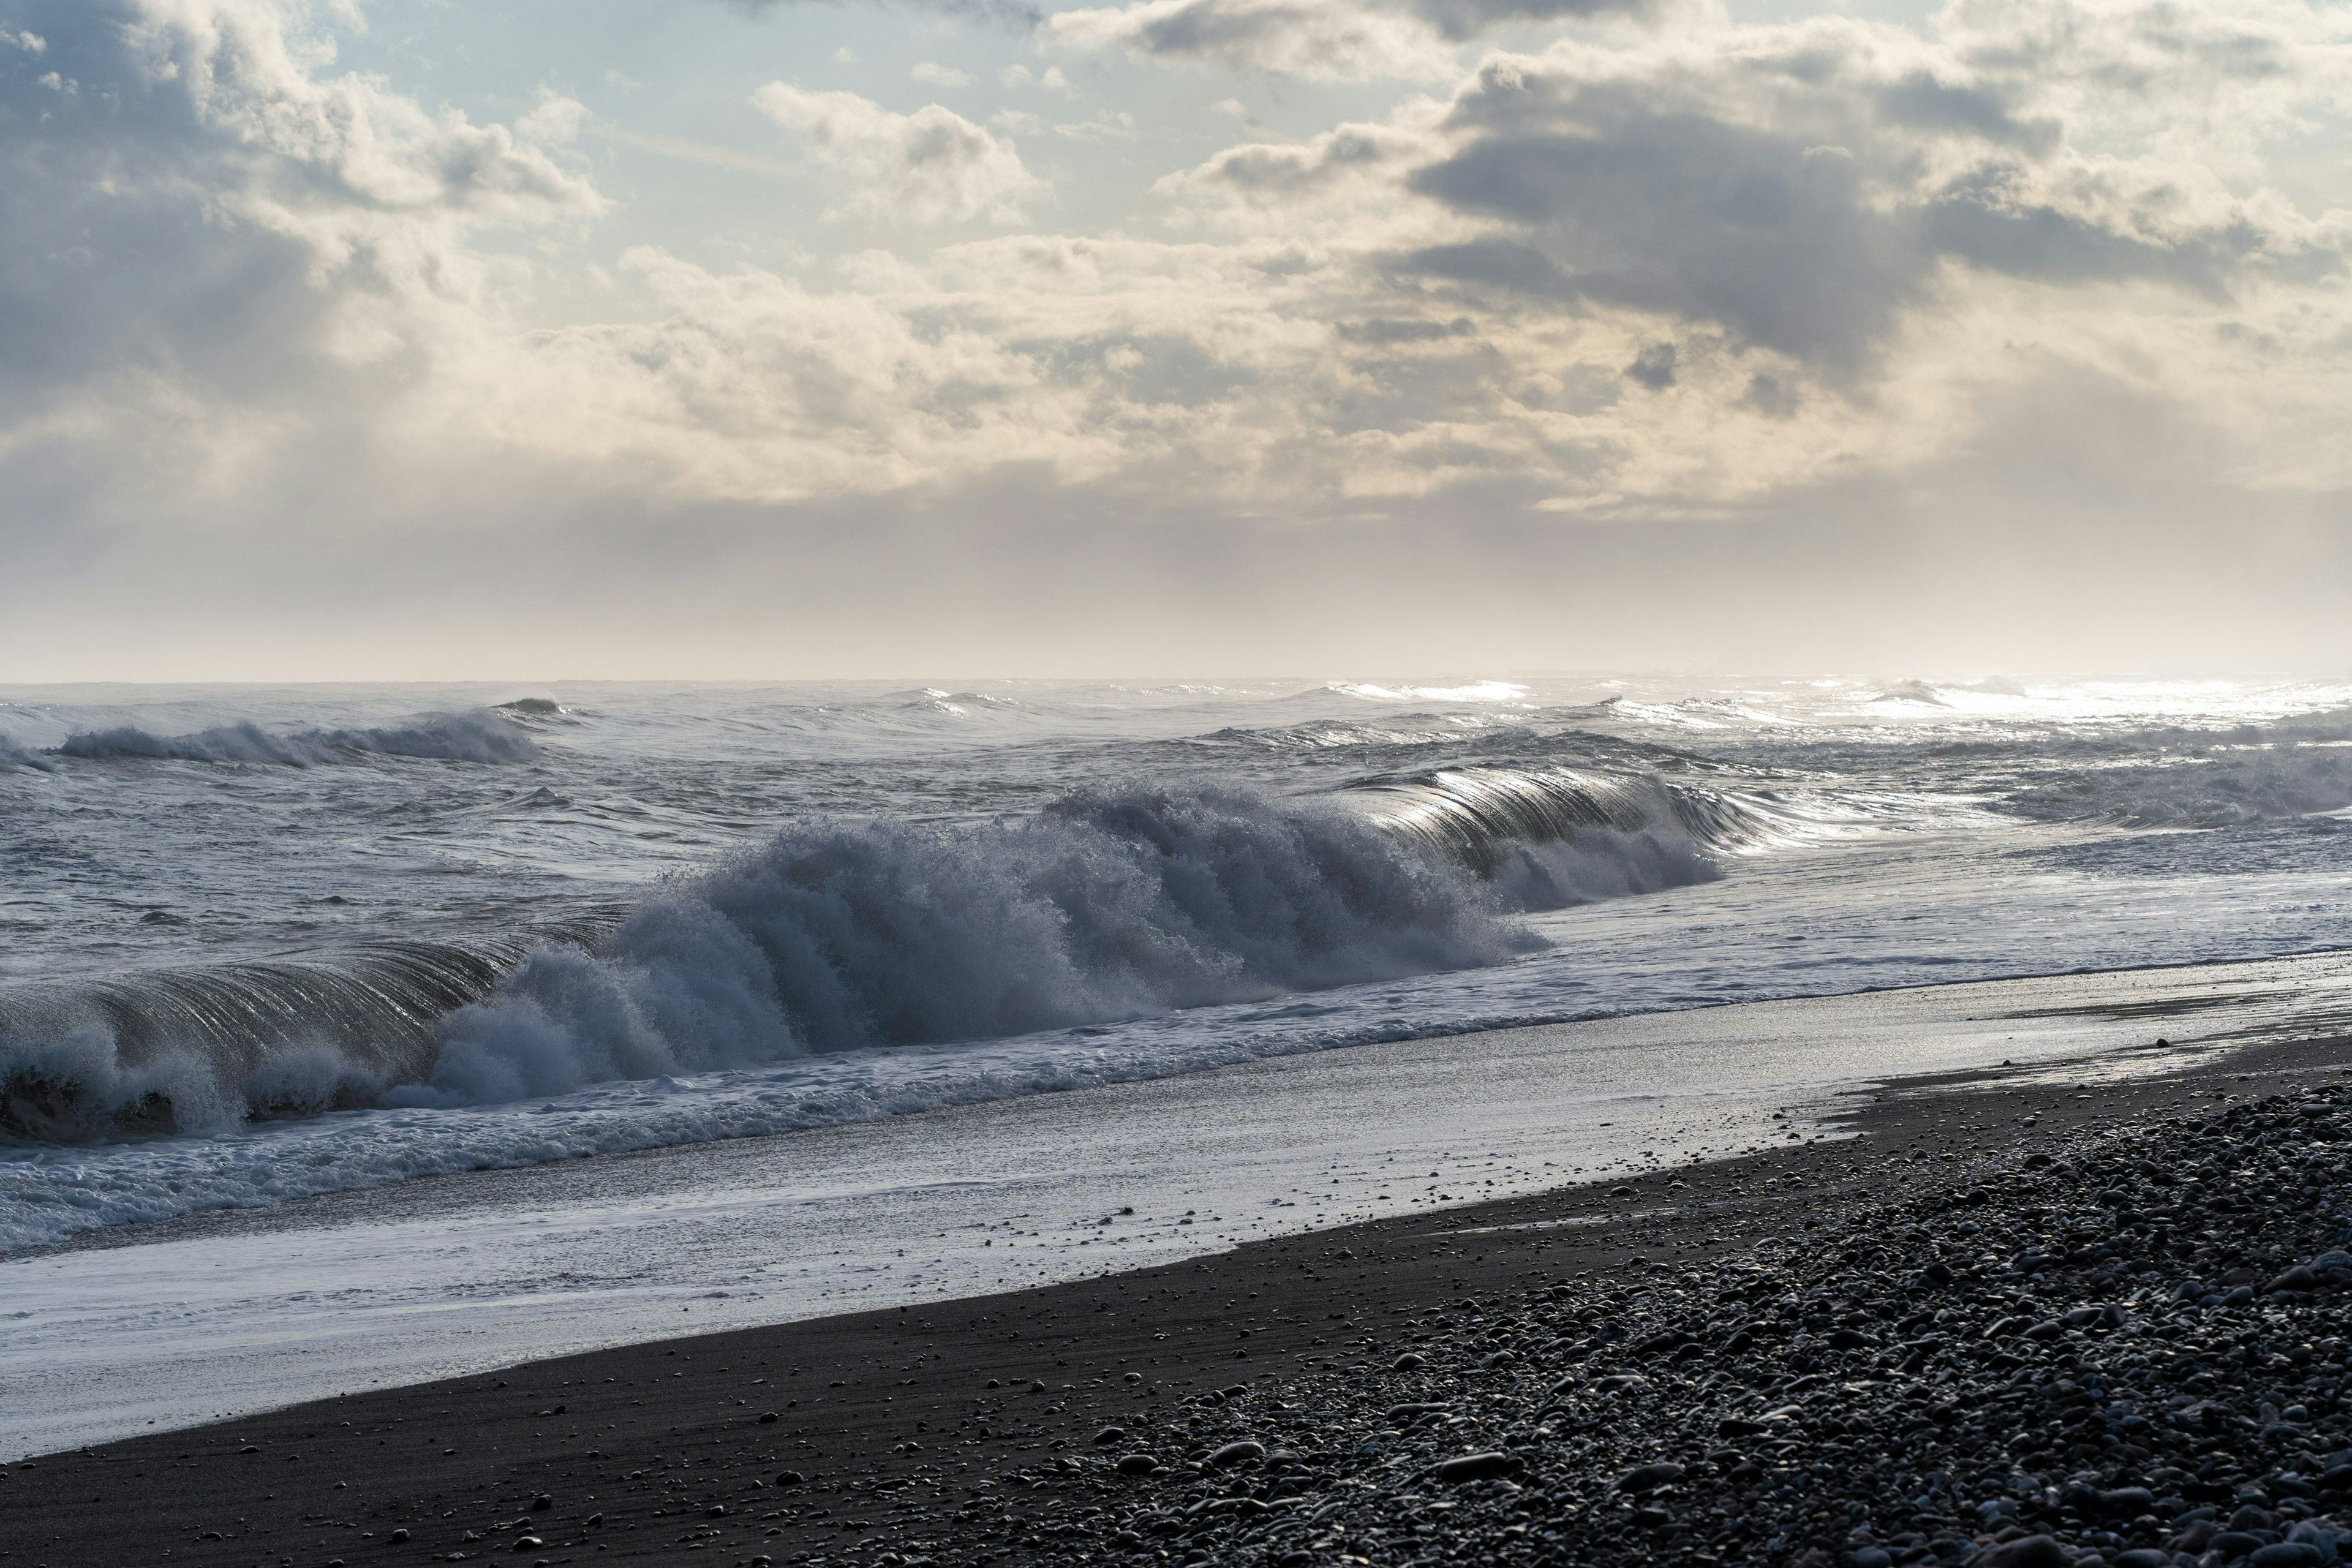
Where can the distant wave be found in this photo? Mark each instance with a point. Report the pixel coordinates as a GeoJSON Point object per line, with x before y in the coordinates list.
{"type": "Point", "coordinates": [2214, 788]}
{"type": "Point", "coordinates": [476, 735]}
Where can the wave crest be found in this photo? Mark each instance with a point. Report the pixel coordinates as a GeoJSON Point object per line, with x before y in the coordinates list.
{"type": "Point", "coordinates": [1556, 837]}
{"type": "Point", "coordinates": [476, 735]}
{"type": "Point", "coordinates": [840, 935]}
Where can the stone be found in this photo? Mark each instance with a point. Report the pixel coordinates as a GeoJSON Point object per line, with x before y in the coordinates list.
{"type": "Point", "coordinates": [1475, 1468]}
{"type": "Point", "coordinates": [1137, 1465]}
{"type": "Point", "coordinates": [2025, 1551]}
{"type": "Point", "coordinates": [1648, 1477]}
{"type": "Point", "coordinates": [2288, 1554]}
{"type": "Point", "coordinates": [1235, 1453]}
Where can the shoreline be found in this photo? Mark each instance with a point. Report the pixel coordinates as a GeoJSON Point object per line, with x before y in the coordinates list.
{"type": "Point", "coordinates": [888, 1417]}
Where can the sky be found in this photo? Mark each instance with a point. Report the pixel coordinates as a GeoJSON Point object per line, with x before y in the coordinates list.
{"type": "Point", "coordinates": [753, 339]}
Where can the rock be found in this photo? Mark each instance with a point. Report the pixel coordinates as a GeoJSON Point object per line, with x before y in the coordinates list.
{"type": "Point", "coordinates": [2288, 1554]}
{"type": "Point", "coordinates": [2143, 1557]}
{"type": "Point", "coordinates": [2126, 1502]}
{"type": "Point", "coordinates": [2251, 1518]}
{"type": "Point", "coordinates": [2232, 1543]}
{"type": "Point", "coordinates": [789, 1477]}
{"type": "Point", "coordinates": [1408, 1361]}
{"type": "Point", "coordinates": [1397, 1415]}
{"type": "Point", "coordinates": [1111, 1435]}
{"type": "Point", "coordinates": [2298, 1277]}
{"type": "Point", "coordinates": [397, 1536]}
{"type": "Point", "coordinates": [2025, 1551]}
{"type": "Point", "coordinates": [1475, 1468]}
{"type": "Point", "coordinates": [541, 1503]}
{"type": "Point", "coordinates": [1234, 1453]}
{"type": "Point", "coordinates": [768, 1418]}
{"type": "Point", "coordinates": [1137, 1465]}
{"type": "Point", "coordinates": [2045, 1330]}
{"type": "Point", "coordinates": [1648, 1479]}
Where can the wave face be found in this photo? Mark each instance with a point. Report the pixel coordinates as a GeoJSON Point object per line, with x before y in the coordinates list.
{"type": "Point", "coordinates": [195, 1050]}
{"type": "Point", "coordinates": [478, 735]}
{"type": "Point", "coordinates": [1554, 837]}
{"type": "Point", "coordinates": [1108, 905]}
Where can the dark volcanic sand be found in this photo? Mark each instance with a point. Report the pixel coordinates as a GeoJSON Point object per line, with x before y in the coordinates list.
{"type": "Point", "coordinates": [967, 1431]}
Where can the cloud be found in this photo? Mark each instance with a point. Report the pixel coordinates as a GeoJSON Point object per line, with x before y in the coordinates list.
{"type": "Point", "coordinates": [1019, 13]}
{"type": "Point", "coordinates": [1325, 40]}
{"type": "Point", "coordinates": [931, 166]}
{"type": "Point", "coordinates": [1803, 188]}
{"type": "Point", "coordinates": [218, 214]}
{"type": "Point", "coordinates": [936, 75]}
{"type": "Point", "coordinates": [1778, 295]}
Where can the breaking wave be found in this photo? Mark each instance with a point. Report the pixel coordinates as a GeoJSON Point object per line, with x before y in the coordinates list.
{"type": "Point", "coordinates": [477, 735]}
{"type": "Point", "coordinates": [1105, 906]}
{"type": "Point", "coordinates": [179, 1050]}
{"type": "Point", "coordinates": [1553, 838]}
{"type": "Point", "coordinates": [839, 935]}
{"type": "Point", "coordinates": [15, 756]}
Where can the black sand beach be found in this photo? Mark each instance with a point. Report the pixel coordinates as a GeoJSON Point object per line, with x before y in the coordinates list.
{"type": "Point", "coordinates": [1969, 1332]}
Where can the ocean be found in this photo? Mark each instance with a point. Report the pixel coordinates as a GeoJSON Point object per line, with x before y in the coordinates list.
{"type": "Point", "coordinates": [1233, 957]}
{"type": "Point", "coordinates": [267, 943]}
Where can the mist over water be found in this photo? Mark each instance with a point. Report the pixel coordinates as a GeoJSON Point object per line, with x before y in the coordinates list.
{"type": "Point", "coordinates": [428, 919]}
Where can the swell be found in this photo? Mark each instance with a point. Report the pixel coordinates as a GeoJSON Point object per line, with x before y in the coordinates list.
{"type": "Point", "coordinates": [476, 735]}
{"type": "Point", "coordinates": [840, 934]}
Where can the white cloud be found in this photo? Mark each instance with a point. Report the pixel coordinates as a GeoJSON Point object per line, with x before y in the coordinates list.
{"type": "Point", "coordinates": [933, 74]}
{"type": "Point", "coordinates": [31, 43]}
{"type": "Point", "coordinates": [931, 166]}
{"type": "Point", "coordinates": [1020, 79]}
{"type": "Point", "coordinates": [554, 121]}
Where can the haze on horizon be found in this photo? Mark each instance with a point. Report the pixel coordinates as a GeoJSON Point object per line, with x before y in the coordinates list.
{"type": "Point", "coordinates": [402, 338]}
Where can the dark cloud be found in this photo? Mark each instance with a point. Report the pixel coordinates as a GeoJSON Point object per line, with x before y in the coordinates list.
{"type": "Point", "coordinates": [1465, 20]}
{"type": "Point", "coordinates": [1015, 14]}
{"type": "Point", "coordinates": [1691, 217]}
{"type": "Point", "coordinates": [1802, 224]}
{"type": "Point", "coordinates": [1654, 367]}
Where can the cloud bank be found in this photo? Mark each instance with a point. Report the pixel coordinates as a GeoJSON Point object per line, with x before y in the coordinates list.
{"type": "Point", "coordinates": [1659, 273]}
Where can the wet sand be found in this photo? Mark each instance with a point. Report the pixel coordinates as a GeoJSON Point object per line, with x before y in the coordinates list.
{"type": "Point", "coordinates": [934, 1431]}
